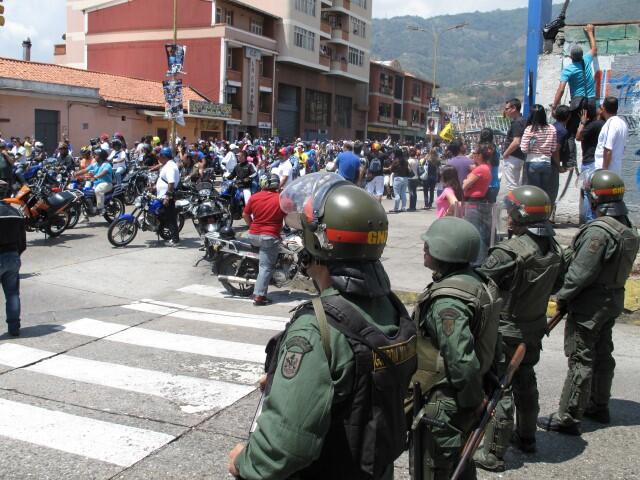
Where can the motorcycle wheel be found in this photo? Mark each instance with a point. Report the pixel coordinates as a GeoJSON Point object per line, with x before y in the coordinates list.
{"type": "Point", "coordinates": [113, 209]}
{"type": "Point", "coordinates": [57, 224]}
{"type": "Point", "coordinates": [122, 232]}
{"type": "Point", "coordinates": [74, 212]}
{"type": "Point", "coordinates": [229, 265]}
{"type": "Point", "coordinates": [180, 222]}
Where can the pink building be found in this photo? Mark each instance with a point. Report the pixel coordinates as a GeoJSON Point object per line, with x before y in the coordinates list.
{"type": "Point", "coordinates": [48, 101]}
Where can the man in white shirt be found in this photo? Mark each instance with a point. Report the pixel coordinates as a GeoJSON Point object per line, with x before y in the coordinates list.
{"type": "Point", "coordinates": [166, 185]}
{"type": "Point", "coordinates": [229, 161]}
{"type": "Point", "coordinates": [118, 159]}
{"type": "Point", "coordinates": [612, 139]}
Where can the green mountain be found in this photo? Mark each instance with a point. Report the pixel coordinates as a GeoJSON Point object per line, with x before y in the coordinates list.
{"type": "Point", "coordinates": [490, 49]}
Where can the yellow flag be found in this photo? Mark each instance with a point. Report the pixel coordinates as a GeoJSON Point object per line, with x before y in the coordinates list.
{"type": "Point", "coordinates": [447, 132]}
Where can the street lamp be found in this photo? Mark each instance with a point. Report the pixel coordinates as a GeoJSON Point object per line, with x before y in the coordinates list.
{"type": "Point", "coordinates": [436, 43]}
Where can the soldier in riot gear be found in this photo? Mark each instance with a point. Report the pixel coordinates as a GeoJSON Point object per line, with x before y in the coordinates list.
{"type": "Point", "coordinates": [527, 268]}
{"type": "Point", "coordinates": [337, 376]}
{"type": "Point", "coordinates": [457, 320]}
{"type": "Point", "coordinates": [602, 256]}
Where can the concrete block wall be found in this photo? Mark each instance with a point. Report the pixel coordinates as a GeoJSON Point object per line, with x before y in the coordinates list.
{"type": "Point", "coordinates": [617, 73]}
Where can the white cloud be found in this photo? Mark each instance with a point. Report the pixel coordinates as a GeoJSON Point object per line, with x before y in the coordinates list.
{"type": "Point", "coordinates": [430, 8]}
{"type": "Point", "coordinates": [44, 21]}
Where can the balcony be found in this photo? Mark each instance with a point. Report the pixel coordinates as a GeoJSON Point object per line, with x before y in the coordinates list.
{"type": "Point", "coordinates": [325, 27]}
{"type": "Point", "coordinates": [234, 75]}
{"type": "Point", "coordinates": [339, 65]}
{"type": "Point", "coordinates": [337, 34]}
{"type": "Point", "coordinates": [266, 82]}
{"type": "Point", "coordinates": [236, 113]}
{"type": "Point", "coordinates": [384, 119]}
{"type": "Point", "coordinates": [386, 90]}
{"type": "Point", "coordinates": [264, 117]}
{"type": "Point", "coordinates": [325, 61]}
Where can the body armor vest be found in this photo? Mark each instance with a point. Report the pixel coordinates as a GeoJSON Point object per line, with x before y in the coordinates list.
{"type": "Point", "coordinates": [368, 428]}
{"type": "Point", "coordinates": [481, 295]}
{"type": "Point", "coordinates": [618, 266]}
{"type": "Point", "coordinates": [525, 304]}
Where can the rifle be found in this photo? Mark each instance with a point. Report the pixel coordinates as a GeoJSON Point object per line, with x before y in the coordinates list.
{"type": "Point", "coordinates": [555, 320]}
{"type": "Point", "coordinates": [551, 29]}
{"type": "Point", "coordinates": [476, 436]}
{"type": "Point", "coordinates": [416, 434]}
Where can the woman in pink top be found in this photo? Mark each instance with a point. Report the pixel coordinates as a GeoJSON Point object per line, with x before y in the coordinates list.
{"type": "Point", "coordinates": [540, 145]}
{"type": "Point", "coordinates": [451, 197]}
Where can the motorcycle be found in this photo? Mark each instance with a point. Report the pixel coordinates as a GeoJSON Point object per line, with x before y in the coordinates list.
{"type": "Point", "coordinates": [135, 183]}
{"type": "Point", "coordinates": [87, 206]}
{"type": "Point", "coordinates": [43, 210]}
{"type": "Point", "coordinates": [145, 216]}
{"type": "Point", "coordinates": [233, 198]}
{"type": "Point", "coordinates": [235, 262]}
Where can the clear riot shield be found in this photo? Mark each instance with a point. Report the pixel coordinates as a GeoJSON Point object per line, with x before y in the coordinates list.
{"type": "Point", "coordinates": [485, 217]}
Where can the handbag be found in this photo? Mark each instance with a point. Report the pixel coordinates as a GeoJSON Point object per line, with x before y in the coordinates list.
{"type": "Point", "coordinates": [579, 103]}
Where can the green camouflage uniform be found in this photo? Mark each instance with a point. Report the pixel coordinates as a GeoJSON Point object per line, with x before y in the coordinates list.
{"type": "Point", "coordinates": [527, 269]}
{"type": "Point", "coordinates": [593, 291]}
{"type": "Point", "coordinates": [451, 366]}
{"type": "Point", "coordinates": [296, 414]}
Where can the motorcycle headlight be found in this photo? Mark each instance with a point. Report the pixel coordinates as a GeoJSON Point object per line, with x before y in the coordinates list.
{"type": "Point", "coordinates": [59, 178]}
{"type": "Point", "coordinates": [138, 202]}
{"type": "Point", "coordinates": [211, 228]}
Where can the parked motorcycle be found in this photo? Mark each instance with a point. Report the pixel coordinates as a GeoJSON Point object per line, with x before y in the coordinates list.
{"type": "Point", "coordinates": [235, 261]}
{"type": "Point", "coordinates": [135, 183]}
{"type": "Point", "coordinates": [87, 206]}
{"type": "Point", "coordinates": [233, 198]}
{"type": "Point", "coordinates": [43, 210]}
{"type": "Point", "coordinates": [145, 216]}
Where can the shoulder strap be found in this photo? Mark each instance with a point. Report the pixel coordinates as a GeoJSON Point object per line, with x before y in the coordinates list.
{"type": "Point", "coordinates": [324, 327]}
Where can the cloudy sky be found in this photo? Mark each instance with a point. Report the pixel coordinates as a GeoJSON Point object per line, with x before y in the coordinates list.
{"type": "Point", "coordinates": [44, 20]}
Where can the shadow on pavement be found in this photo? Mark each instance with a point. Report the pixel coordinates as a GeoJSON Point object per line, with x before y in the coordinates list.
{"type": "Point", "coordinates": [33, 331]}
{"type": "Point", "coordinates": [60, 241]}
{"type": "Point", "coordinates": [624, 413]}
{"type": "Point", "coordinates": [552, 448]}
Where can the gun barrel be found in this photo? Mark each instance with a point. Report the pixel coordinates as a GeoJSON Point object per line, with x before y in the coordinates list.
{"type": "Point", "coordinates": [417, 433]}
{"type": "Point", "coordinates": [553, 323]}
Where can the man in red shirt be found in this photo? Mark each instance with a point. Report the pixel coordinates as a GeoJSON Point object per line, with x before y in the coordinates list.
{"type": "Point", "coordinates": [264, 217]}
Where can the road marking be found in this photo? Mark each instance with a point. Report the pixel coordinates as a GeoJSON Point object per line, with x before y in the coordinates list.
{"type": "Point", "coordinates": [211, 347]}
{"type": "Point", "coordinates": [220, 317]}
{"type": "Point", "coordinates": [17, 356]}
{"type": "Point", "coordinates": [109, 442]}
{"type": "Point", "coordinates": [219, 292]}
{"type": "Point", "coordinates": [190, 392]}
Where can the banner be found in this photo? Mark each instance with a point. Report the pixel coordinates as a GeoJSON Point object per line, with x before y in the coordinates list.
{"type": "Point", "coordinates": [433, 124]}
{"type": "Point", "coordinates": [173, 100]}
{"type": "Point", "coordinates": [175, 58]}
{"type": "Point", "coordinates": [447, 132]}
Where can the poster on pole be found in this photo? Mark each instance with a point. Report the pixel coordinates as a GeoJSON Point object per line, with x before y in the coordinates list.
{"type": "Point", "coordinates": [175, 58]}
{"type": "Point", "coordinates": [433, 125]}
{"type": "Point", "coordinates": [173, 100]}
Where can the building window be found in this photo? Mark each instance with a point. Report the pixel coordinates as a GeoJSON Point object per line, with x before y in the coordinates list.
{"type": "Point", "coordinates": [264, 102]}
{"type": "Point", "coordinates": [229, 17]}
{"type": "Point", "coordinates": [317, 108]}
{"type": "Point", "coordinates": [386, 84]}
{"type": "Point", "coordinates": [360, 3]}
{"type": "Point", "coordinates": [229, 59]}
{"type": "Point", "coordinates": [218, 15]}
{"type": "Point", "coordinates": [397, 110]}
{"type": "Point", "coordinates": [415, 116]}
{"type": "Point", "coordinates": [304, 38]}
{"type": "Point", "coordinates": [356, 57]}
{"type": "Point", "coordinates": [417, 90]}
{"type": "Point", "coordinates": [256, 26]}
{"type": "Point", "coordinates": [423, 118]}
{"type": "Point", "coordinates": [358, 27]}
{"type": "Point", "coordinates": [343, 111]}
{"type": "Point", "coordinates": [384, 111]}
{"type": "Point", "coordinates": [306, 6]}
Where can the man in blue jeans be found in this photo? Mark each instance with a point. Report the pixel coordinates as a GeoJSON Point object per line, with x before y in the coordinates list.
{"type": "Point", "coordinates": [265, 218]}
{"type": "Point", "coordinates": [13, 241]}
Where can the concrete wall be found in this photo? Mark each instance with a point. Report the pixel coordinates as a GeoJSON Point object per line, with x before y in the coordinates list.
{"type": "Point", "coordinates": [617, 73]}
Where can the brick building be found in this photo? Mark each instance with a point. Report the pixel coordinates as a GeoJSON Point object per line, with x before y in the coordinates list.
{"type": "Point", "coordinates": [398, 102]}
{"type": "Point", "coordinates": [288, 67]}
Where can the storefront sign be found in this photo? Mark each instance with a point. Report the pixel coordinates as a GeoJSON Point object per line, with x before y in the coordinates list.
{"type": "Point", "coordinates": [209, 109]}
{"type": "Point", "coordinates": [402, 123]}
{"type": "Point", "coordinates": [264, 124]}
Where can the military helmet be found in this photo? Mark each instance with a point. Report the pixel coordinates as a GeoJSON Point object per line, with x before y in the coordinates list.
{"type": "Point", "coordinates": [339, 221]}
{"type": "Point", "coordinates": [528, 205]}
{"type": "Point", "coordinates": [452, 240]}
{"type": "Point", "coordinates": [606, 193]}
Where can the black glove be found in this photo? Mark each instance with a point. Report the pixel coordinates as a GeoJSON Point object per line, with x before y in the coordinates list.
{"type": "Point", "coordinates": [561, 306]}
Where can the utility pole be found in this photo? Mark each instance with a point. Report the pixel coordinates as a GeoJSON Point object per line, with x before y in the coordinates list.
{"type": "Point", "coordinates": [436, 44]}
{"type": "Point", "coordinates": [173, 125]}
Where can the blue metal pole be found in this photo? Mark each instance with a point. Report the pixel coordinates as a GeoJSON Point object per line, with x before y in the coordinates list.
{"type": "Point", "coordinates": [539, 15]}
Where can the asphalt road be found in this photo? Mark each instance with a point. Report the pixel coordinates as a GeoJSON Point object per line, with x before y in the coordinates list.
{"type": "Point", "coordinates": [133, 363]}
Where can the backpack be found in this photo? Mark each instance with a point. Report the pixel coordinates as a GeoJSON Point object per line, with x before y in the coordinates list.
{"type": "Point", "coordinates": [375, 166]}
{"type": "Point", "coordinates": [295, 167]}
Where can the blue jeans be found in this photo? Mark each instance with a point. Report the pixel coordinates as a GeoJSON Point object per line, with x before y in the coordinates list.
{"type": "Point", "coordinates": [400, 191]}
{"type": "Point", "coordinates": [119, 173]}
{"type": "Point", "coordinates": [269, 247]}
{"type": "Point", "coordinates": [9, 275]}
{"type": "Point", "coordinates": [539, 175]}
{"type": "Point", "coordinates": [586, 214]}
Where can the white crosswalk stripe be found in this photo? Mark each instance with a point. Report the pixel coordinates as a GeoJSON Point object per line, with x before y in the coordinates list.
{"type": "Point", "coordinates": [109, 442]}
{"type": "Point", "coordinates": [219, 292]}
{"type": "Point", "coordinates": [261, 322]}
{"type": "Point", "coordinates": [231, 369]}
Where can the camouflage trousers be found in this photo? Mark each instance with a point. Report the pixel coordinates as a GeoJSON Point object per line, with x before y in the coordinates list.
{"type": "Point", "coordinates": [523, 395]}
{"type": "Point", "coordinates": [591, 366]}
{"type": "Point", "coordinates": [442, 446]}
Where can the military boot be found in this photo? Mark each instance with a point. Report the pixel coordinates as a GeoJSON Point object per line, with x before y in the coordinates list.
{"type": "Point", "coordinates": [598, 414]}
{"type": "Point", "coordinates": [525, 445]}
{"type": "Point", "coordinates": [496, 441]}
{"type": "Point", "coordinates": [553, 424]}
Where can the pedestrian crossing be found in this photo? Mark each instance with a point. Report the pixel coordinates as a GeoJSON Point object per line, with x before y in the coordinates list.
{"type": "Point", "coordinates": [221, 371]}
